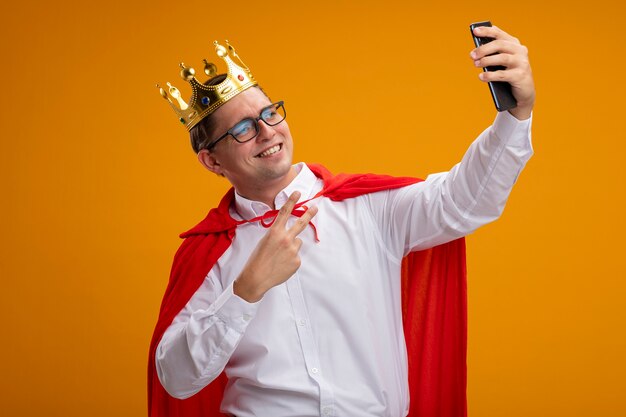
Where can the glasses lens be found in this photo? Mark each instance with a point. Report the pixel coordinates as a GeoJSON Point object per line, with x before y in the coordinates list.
{"type": "Point", "coordinates": [244, 130]}
{"type": "Point", "coordinates": [274, 114]}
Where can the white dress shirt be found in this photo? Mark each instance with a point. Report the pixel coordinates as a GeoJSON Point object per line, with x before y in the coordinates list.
{"type": "Point", "coordinates": [329, 341]}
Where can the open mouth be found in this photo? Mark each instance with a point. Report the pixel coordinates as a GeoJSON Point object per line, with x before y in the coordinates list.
{"type": "Point", "coordinates": [271, 151]}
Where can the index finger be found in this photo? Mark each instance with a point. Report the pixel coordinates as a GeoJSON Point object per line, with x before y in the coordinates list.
{"type": "Point", "coordinates": [493, 32]}
{"type": "Point", "coordinates": [286, 209]}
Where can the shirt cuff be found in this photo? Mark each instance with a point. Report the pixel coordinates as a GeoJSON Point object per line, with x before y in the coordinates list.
{"type": "Point", "coordinates": [511, 130]}
{"type": "Point", "coordinates": [234, 311]}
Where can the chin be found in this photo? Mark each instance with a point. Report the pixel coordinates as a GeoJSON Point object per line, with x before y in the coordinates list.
{"type": "Point", "coordinates": [278, 171]}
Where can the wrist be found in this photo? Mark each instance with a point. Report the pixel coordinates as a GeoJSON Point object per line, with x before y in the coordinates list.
{"type": "Point", "coordinates": [521, 112]}
{"type": "Point", "coordinates": [245, 288]}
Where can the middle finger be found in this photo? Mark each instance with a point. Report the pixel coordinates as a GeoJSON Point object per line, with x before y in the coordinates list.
{"type": "Point", "coordinates": [300, 224]}
{"type": "Point", "coordinates": [505, 60]}
{"type": "Point", "coordinates": [494, 47]}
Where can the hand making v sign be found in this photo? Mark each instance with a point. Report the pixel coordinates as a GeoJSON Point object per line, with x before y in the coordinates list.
{"type": "Point", "coordinates": [276, 257]}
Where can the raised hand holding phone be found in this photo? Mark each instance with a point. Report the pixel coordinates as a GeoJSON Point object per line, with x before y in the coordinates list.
{"type": "Point", "coordinates": [505, 60]}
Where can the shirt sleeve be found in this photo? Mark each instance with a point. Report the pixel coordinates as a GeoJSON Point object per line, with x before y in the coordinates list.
{"type": "Point", "coordinates": [453, 204]}
{"type": "Point", "coordinates": [197, 345]}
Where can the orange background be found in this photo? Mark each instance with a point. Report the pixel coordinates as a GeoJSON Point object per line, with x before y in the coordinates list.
{"type": "Point", "coordinates": [98, 179]}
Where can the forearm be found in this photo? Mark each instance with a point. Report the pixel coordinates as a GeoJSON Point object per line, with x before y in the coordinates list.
{"type": "Point", "coordinates": [452, 204]}
{"type": "Point", "coordinates": [475, 191]}
{"type": "Point", "coordinates": [194, 351]}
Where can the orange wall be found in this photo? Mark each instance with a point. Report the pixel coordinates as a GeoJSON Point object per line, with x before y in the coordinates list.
{"type": "Point", "coordinates": [98, 179]}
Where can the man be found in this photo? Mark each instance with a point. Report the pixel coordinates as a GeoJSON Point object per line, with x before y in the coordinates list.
{"type": "Point", "coordinates": [301, 308]}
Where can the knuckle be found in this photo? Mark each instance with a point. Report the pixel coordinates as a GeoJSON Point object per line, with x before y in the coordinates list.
{"type": "Point", "coordinates": [523, 63]}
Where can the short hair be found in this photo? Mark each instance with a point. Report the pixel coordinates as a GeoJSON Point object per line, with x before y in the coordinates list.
{"type": "Point", "coordinates": [201, 134]}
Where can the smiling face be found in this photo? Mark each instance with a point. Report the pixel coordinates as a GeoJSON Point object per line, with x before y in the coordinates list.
{"type": "Point", "coordinates": [259, 168]}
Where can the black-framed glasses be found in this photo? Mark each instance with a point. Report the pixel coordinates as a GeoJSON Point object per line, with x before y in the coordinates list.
{"type": "Point", "coordinates": [248, 128]}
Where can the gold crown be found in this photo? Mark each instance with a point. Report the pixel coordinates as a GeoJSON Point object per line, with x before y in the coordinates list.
{"type": "Point", "coordinates": [205, 99]}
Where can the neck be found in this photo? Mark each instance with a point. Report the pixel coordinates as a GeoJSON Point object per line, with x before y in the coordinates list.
{"type": "Point", "coordinates": [267, 191]}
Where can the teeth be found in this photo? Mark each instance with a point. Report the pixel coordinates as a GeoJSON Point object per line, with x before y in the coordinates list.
{"type": "Point", "coordinates": [270, 151]}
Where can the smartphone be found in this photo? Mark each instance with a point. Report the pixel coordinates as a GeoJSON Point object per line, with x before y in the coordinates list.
{"type": "Point", "coordinates": [500, 90]}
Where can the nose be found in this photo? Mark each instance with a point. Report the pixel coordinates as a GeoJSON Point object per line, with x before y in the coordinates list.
{"type": "Point", "coordinates": [266, 132]}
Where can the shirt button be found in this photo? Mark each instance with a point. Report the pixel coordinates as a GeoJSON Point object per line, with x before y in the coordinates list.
{"type": "Point", "coordinates": [315, 370]}
{"type": "Point", "coordinates": [327, 411]}
{"type": "Point", "coordinates": [302, 322]}
{"type": "Point", "coordinates": [247, 317]}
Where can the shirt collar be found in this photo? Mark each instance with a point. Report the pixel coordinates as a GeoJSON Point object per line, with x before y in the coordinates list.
{"type": "Point", "coordinates": [306, 182]}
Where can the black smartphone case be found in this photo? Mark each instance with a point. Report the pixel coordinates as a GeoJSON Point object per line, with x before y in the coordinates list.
{"type": "Point", "coordinates": [500, 90]}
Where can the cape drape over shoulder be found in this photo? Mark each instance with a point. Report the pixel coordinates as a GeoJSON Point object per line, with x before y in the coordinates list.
{"type": "Point", "coordinates": [434, 308]}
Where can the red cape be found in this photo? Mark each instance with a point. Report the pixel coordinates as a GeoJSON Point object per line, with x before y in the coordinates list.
{"type": "Point", "coordinates": [434, 308]}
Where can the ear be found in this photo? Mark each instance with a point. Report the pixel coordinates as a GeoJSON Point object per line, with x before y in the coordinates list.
{"type": "Point", "coordinates": [209, 161]}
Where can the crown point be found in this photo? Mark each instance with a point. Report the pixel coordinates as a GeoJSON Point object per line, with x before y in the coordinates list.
{"type": "Point", "coordinates": [210, 69]}
{"type": "Point", "coordinates": [220, 50]}
{"type": "Point", "coordinates": [187, 74]}
{"type": "Point", "coordinates": [174, 92]}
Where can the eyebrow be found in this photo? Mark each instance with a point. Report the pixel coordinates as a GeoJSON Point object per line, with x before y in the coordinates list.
{"type": "Point", "coordinates": [254, 116]}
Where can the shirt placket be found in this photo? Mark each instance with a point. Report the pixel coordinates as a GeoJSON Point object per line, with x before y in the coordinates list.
{"type": "Point", "coordinates": [309, 347]}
